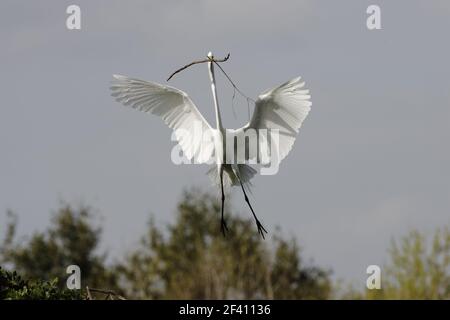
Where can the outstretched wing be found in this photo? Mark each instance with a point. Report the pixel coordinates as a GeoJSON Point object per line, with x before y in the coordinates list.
{"type": "Point", "coordinates": [283, 108]}
{"type": "Point", "coordinates": [174, 107]}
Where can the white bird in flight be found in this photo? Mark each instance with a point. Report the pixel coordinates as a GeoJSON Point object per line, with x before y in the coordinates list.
{"type": "Point", "coordinates": [281, 109]}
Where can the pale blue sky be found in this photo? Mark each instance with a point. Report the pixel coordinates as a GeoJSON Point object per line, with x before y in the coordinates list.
{"type": "Point", "coordinates": [371, 161]}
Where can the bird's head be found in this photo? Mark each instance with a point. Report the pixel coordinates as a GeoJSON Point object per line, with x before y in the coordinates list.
{"type": "Point", "coordinates": [210, 66]}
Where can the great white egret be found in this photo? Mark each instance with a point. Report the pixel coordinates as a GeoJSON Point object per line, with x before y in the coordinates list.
{"type": "Point", "coordinates": [281, 109]}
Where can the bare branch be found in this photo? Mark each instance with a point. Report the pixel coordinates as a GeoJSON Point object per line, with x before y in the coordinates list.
{"type": "Point", "coordinates": [216, 62]}
{"type": "Point", "coordinates": [197, 62]}
{"type": "Point", "coordinates": [232, 83]}
{"type": "Point", "coordinates": [89, 297]}
{"type": "Point", "coordinates": [109, 293]}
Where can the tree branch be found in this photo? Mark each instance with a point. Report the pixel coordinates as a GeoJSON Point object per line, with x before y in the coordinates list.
{"type": "Point", "coordinates": [232, 83]}
{"type": "Point", "coordinates": [109, 293]}
{"type": "Point", "coordinates": [197, 62]}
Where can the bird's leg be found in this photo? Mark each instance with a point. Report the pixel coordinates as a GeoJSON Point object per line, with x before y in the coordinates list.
{"type": "Point", "coordinates": [261, 229]}
{"type": "Point", "coordinates": [224, 227]}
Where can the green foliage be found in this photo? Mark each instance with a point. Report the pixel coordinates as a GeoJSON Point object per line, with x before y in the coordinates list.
{"type": "Point", "coordinates": [12, 286]}
{"type": "Point", "coordinates": [417, 269]}
{"type": "Point", "coordinates": [70, 239]}
{"type": "Point", "coordinates": [189, 259]}
{"type": "Point", "coordinates": [192, 260]}
{"type": "Point", "coordinates": [290, 280]}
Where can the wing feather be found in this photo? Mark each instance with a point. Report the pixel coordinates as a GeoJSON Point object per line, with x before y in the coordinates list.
{"type": "Point", "coordinates": [174, 107]}
{"type": "Point", "coordinates": [283, 108]}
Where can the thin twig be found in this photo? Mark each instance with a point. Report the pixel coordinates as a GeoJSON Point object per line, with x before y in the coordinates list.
{"type": "Point", "coordinates": [232, 103]}
{"type": "Point", "coordinates": [89, 297]}
{"type": "Point", "coordinates": [232, 83]}
{"type": "Point", "coordinates": [197, 62]}
{"type": "Point", "coordinates": [109, 293]}
{"type": "Point", "coordinates": [235, 88]}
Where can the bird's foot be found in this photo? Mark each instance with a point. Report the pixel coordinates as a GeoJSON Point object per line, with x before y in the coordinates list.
{"type": "Point", "coordinates": [261, 229]}
{"type": "Point", "coordinates": [224, 227]}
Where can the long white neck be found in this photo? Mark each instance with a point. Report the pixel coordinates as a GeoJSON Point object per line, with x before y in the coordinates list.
{"type": "Point", "coordinates": [214, 92]}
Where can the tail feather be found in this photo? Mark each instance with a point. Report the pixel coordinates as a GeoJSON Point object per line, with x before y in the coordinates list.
{"type": "Point", "coordinates": [245, 173]}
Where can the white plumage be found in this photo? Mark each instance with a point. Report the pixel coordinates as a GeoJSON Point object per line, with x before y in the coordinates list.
{"type": "Point", "coordinates": [283, 108]}
{"type": "Point", "coordinates": [173, 106]}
